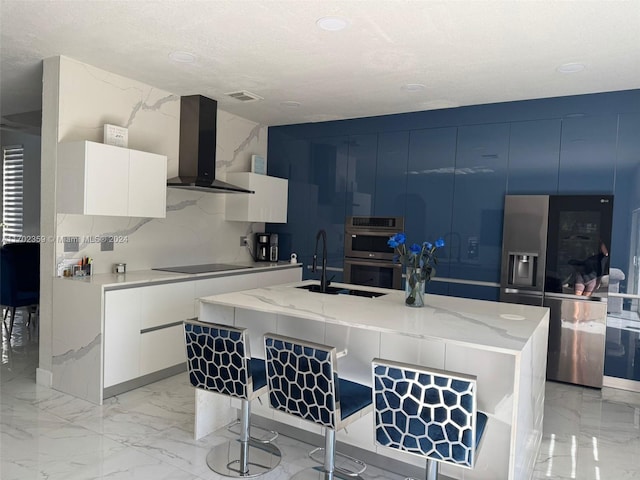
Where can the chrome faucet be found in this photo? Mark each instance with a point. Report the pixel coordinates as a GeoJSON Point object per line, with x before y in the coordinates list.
{"type": "Point", "coordinates": [314, 267]}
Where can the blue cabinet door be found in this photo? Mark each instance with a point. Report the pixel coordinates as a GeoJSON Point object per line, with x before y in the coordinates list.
{"type": "Point", "coordinates": [361, 174]}
{"type": "Point", "coordinates": [290, 158]}
{"type": "Point", "coordinates": [626, 195]}
{"type": "Point", "coordinates": [391, 174]}
{"type": "Point", "coordinates": [622, 349]}
{"type": "Point", "coordinates": [478, 203]}
{"type": "Point", "coordinates": [429, 200]}
{"type": "Point", "coordinates": [534, 157]}
{"type": "Point", "coordinates": [588, 154]}
{"type": "Point", "coordinates": [328, 191]}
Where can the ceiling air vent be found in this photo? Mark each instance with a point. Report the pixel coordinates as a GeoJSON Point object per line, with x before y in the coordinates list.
{"type": "Point", "coordinates": [244, 96]}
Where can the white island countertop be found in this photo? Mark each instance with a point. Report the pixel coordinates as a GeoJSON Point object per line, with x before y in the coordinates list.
{"type": "Point", "coordinates": [495, 326]}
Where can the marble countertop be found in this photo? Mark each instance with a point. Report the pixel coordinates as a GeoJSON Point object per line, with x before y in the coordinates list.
{"type": "Point", "coordinates": [144, 277]}
{"type": "Point", "coordinates": [495, 326]}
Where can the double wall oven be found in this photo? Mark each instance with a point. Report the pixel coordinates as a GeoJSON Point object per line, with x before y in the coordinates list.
{"type": "Point", "coordinates": [368, 260]}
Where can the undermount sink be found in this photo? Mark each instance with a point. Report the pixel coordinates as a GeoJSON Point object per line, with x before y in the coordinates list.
{"type": "Point", "coordinates": [342, 291]}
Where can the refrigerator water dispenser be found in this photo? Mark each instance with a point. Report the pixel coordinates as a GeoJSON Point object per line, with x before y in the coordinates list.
{"type": "Point", "coordinates": [522, 269]}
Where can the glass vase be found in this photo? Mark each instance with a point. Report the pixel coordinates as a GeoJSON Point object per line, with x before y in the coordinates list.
{"type": "Point", "coordinates": [414, 287]}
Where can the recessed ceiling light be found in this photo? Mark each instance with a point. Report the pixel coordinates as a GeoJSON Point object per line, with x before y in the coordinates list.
{"type": "Point", "coordinates": [570, 68]}
{"type": "Point", "coordinates": [182, 57]}
{"type": "Point", "coordinates": [332, 24]}
{"type": "Point", "coordinates": [290, 104]}
{"type": "Point", "coordinates": [413, 87]}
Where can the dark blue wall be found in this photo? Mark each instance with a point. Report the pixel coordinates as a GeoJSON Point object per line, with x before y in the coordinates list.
{"type": "Point", "coordinates": [447, 172]}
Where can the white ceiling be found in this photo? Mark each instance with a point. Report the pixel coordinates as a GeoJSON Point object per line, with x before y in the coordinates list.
{"type": "Point", "coordinates": [464, 52]}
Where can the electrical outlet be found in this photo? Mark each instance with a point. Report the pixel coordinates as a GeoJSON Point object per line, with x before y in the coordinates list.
{"type": "Point", "coordinates": [71, 244]}
{"type": "Point", "coordinates": [106, 244]}
{"type": "Point", "coordinates": [243, 240]}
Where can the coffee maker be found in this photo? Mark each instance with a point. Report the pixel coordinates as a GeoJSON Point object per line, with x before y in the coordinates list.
{"type": "Point", "coordinates": [266, 247]}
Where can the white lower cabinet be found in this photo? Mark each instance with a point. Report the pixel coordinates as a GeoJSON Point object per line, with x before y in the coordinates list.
{"type": "Point", "coordinates": [164, 308]}
{"type": "Point", "coordinates": [215, 286]}
{"type": "Point", "coordinates": [143, 331]}
{"type": "Point", "coordinates": [278, 277]}
{"type": "Point", "coordinates": [162, 348]}
{"type": "Point", "coordinates": [165, 304]}
{"type": "Point", "coordinates": [121, 336]}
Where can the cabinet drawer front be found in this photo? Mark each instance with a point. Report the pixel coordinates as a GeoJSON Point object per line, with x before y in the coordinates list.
{"type": "Point", "coordinates": [162, 348]}
{"type": "Point", "coordinates": [277, 277]}
{"type": "Point", "coordinates": [121, 336]}
{"type": "Point", "coordinates": [165, 304]}
{"type": "Point", "coordinates": [233, 283]}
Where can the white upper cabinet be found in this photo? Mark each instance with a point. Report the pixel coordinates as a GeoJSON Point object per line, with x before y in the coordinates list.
{"type": "Point", "coordinates": [147, 184]}
{"type": "Point", "coordinates": [99, 179]}
{"type": "Point", "coordinates": [268, 204]}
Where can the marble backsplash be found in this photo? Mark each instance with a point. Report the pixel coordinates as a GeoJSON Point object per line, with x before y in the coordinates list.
{"type": "Point", "coordinates": [194, 230]}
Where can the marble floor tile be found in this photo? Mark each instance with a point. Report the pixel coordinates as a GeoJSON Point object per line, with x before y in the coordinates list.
{"type": "Point", "coordinates": [148, 432]}
{"type": "Point", "coordinates": [589, 434]}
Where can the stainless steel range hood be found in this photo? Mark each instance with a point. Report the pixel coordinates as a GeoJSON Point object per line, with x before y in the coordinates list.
{"type": "Point", "coordinates": [197, 154]}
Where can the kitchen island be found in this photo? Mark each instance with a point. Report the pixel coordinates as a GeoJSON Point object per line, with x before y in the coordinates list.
{"type": "Point", "coordinates": [504, 345]}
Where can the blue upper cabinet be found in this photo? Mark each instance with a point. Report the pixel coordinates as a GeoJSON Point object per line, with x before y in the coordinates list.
{"type": "Point", "coordinates": [391, 174]}
{"type": "Point", "coordinates": [626, 195]}
{"type": "Point", "coordinates": [361, 174]}
{"type": "Point", "coordinates": [328, 182]}
{"type": "Point", "coordinates": [534, 157]}
{"type": "Point", "coordinates": [480, 186]}
{"type": "Point", "coordinates": [588, 154]}
{"type": "Point", "coordinates": [429, 200]}
{"type": "Point", "coordinates": [447, 172]}
{"type": "Point", "coordinates": [291, 158]}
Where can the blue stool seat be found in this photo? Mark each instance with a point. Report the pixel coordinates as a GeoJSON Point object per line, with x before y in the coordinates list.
{"type": "Point", "coordinates": [303, 382]}
{"type": "Point", "coordinates": [481, 423]}
{"type": "Point", "coordinates": [353, 397]}
{"type": "Point", "coordinates": [427, 412]}
{"type": "Point", "coordinates": [218, 361]}
{"type": "Point", "coordinates": [259, 373]}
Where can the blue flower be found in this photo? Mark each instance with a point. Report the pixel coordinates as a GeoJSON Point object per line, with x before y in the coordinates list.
{"type": "Point", "coordinates": [417, 256]}
{"type": "Point", "coordinates": [397, 240]}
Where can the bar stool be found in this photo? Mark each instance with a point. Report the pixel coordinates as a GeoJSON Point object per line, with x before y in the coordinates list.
{"type": "Point", "coordinates": [303, 382]}
{"type": "Point", "coordinates": [427, 412]}
{"type": "Point", "coordinates": [219, 361]}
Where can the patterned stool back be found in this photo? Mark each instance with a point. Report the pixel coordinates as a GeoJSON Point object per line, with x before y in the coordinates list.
{"type": "Point", "coordinates": [427, 412]}
{"type": "Point", "coordinates": [302, 380]}
{"type": "Point", "coordinates": [218, 359]}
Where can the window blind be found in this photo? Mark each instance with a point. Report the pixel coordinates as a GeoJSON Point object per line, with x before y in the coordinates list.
{"type": "Point", "coordinates": [12, 193]}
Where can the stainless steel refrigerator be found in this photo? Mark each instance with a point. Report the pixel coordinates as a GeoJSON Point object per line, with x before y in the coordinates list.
{"type": "Point", "coordinates": [555, 253]}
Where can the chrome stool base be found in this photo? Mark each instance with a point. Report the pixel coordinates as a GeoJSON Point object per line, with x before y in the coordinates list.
{"type": "Point", "coordinates": [318, 473]}
{"type": "Point", "coordinates": [227, 459]}
{"type": "Point", "coordinates": [266, 436]}
{"type": "Point", "coordinates": [349, 473]}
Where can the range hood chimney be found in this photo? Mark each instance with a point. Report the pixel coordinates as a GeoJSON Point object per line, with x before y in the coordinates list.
{"type": "Point", "coordinates": [197, 154]}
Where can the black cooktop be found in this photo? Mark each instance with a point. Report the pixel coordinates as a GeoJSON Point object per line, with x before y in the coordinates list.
{"type": "Point", "coordinates": [207, 268]}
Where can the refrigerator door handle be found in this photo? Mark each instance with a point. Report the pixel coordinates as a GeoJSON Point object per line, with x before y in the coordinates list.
{"type": "Point", "coordinates": [577, 298]}
{"type": "Point", "coordinates": [533, 293]}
